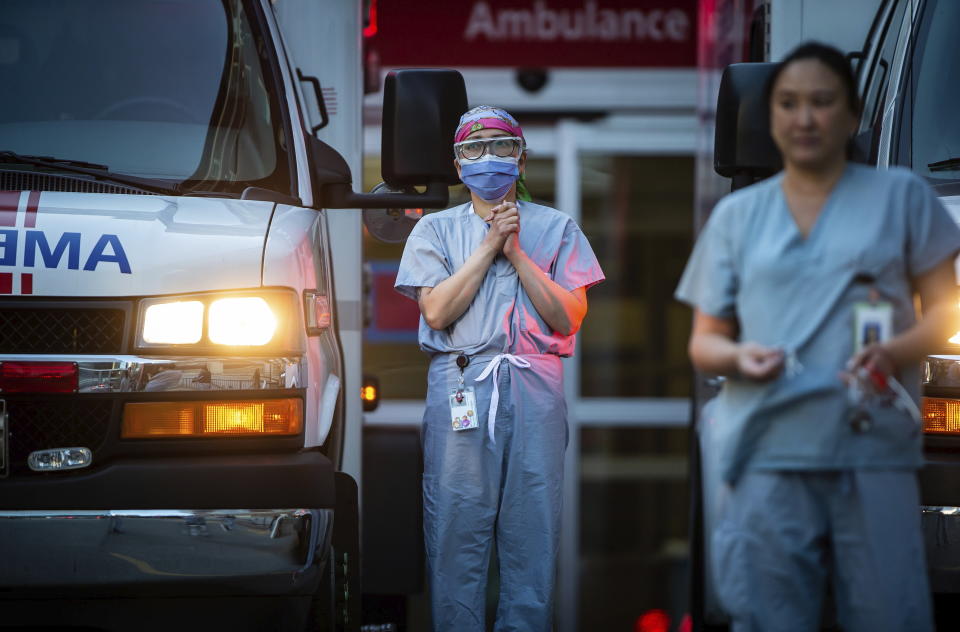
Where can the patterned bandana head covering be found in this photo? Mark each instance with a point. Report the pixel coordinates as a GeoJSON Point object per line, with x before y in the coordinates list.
{"type": "Point", "coordinates": [486, 117]}
{"type": "Point", "coordinates": [490, 117]}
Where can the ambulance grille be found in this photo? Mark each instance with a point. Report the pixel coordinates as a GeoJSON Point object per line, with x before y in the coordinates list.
{"type": "Point", "coordinates": [31, 181]}
{"type": "Point", "coordinates": [66, 423]}
{"type": "Point", "coordinates": [61, 330]}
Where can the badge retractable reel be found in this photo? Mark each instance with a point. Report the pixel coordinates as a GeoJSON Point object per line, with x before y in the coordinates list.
{"type": "Point", "coordinates": [463, 401]}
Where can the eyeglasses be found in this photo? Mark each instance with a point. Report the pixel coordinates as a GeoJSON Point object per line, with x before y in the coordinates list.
{"type": "Point", "coordinates": [500, 146]}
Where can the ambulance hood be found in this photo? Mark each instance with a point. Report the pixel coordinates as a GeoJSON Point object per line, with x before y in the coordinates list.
{"type": "Point", "coordinates": [952, 202]}
{"type": "Point", "coordinates": [75, 244]}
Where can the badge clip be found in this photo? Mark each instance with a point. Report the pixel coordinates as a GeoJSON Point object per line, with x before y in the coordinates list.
{"type": "Point", "coordinates": [872, 321]}
{"type": "Point", "coordinates": [463, 401]}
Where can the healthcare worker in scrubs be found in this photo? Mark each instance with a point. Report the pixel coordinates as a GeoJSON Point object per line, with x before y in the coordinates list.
{"type": "Point", "coordinates": [803, 289]}
{"type": "Point", "coordinates": [501, 284]}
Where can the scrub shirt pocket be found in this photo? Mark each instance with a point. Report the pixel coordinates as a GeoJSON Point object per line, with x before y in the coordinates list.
{"type": "Point", "coordinates": [871, 263]}
{"type": "Point", "coordinates": [507, 279]}
{"type": "Point", "coordinates": [875, 268]}
{"type": "Point", "coordinates": [469, 330]}
{"type": "Point", "coordinates": [881, 276]}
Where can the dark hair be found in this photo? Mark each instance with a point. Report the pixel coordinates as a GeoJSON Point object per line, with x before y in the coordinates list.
{"type": "Point", "coordinates": [829, 57]}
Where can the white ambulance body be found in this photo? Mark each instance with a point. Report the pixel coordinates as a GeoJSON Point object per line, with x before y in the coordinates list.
{"type": "Point", "coordinates": [179, 308]}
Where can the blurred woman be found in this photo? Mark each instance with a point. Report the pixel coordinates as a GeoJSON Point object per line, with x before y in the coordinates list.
{"type": "Point", "coordinates": [803, 290]}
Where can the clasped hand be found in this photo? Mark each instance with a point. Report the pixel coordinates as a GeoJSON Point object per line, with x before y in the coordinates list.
{"type": "Point", "coordinates": [504, 220]}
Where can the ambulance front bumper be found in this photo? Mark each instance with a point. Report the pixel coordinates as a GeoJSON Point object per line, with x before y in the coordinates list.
{"type": "Point", "coordinates": [167, 526]}
{"type": "Point", "coordinates": [102, 374]}
{"type": "Point", "coordinates": [939, 491]}
{"type": "Point", "coordinates": [941, 535]}
{"type": "Point", "coordinates": [162, 552]}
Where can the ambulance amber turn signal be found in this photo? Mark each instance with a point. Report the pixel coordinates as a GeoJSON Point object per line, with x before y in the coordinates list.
{"type": "Point", "coordinates": [247, 418]}
{"type": "Point", "coordinates": [370, 393]}
{"type": "Point", "coordinates": [941, 416]}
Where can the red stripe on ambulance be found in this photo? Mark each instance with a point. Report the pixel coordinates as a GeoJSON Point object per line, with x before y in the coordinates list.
{"type": "Point", "coordinates": [9, 202]}
{"type": "Point", "coordinates": [33, 203]}
{"type": "Point", "coordinates": [26, 283]}
{"type": "Point", "coordinates": [6, 282]}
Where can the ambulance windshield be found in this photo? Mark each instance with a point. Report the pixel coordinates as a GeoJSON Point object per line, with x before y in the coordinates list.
{"type": "Point", "coordinates": [171, 90]}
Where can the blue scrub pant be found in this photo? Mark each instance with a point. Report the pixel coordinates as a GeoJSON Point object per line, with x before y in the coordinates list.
{"type": "Point", "coordinates": [475, 490]}
{"type": "Point", "coordinates": [781, 532]}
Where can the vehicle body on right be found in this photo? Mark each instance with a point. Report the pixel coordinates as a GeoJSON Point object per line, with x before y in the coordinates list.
{"type": "Point", "coordinates": [909, 82]}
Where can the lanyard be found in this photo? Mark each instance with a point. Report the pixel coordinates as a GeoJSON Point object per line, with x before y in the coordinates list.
{"type": "Point", "coordinates": [865, 385]}
{"type": "Point", "coordinates": [493, 367]}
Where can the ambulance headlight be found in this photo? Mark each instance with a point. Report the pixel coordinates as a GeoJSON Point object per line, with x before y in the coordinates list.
{"type": "Point", "coordinates": [242, 320]}
{"type": "Point", "coordinates": [252, 320]}
{"type": "Point", "coordinates": [174, 323]}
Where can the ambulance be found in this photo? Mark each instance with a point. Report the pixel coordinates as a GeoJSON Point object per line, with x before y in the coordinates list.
{"type": "Point", "coordinates": [180, 307]}
{"type": "Point", "coordinates": [904, 55]}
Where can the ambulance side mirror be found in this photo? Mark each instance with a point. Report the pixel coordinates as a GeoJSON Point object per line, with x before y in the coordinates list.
{"type": "Point", "coordinates": [743, 148]}
{"type": "Point", "coordinates": [421, 109]}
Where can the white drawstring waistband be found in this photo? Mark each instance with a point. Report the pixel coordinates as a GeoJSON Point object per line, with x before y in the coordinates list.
{"type": "Point", "coordinates": [494, 367]}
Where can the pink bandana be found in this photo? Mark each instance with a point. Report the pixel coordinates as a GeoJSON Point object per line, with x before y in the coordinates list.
{"type": "Point", "coordinates": [486, 117]}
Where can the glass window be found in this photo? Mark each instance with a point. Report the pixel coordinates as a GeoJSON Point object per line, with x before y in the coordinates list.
{"type": "Point", "coordinates": [633, 525]}
{"type": "Point", "coordinates": [637, 212]}
{"type": "Point", "coordinates": [930, 127]}
{"type": "Point", "coordinates": [173, 90]}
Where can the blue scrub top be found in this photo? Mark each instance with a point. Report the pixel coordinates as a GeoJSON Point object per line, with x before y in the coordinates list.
{"type": "Point", "coordinates": [501, 318]}
{"type": "Point", "coordinates": [877, 229]}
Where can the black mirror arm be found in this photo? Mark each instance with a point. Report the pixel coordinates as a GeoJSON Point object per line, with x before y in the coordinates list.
{"type": "Point", "coordinates": [342, 195]}
{"type": "Point", "coordinates": [333, 185]}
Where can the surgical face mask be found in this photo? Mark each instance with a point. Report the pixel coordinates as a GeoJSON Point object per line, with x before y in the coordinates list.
{"type": "Point", "coordinates": [490, 177]}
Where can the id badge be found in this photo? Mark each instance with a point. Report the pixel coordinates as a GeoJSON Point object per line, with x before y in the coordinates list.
{"type": "Point", "coordinates": [872, 323]}
{"type": "Point", "coordinates": [463, 409]}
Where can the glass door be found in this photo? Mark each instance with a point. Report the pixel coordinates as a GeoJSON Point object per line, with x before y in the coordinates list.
{"type": "Point", "coordinates": [629, 182]}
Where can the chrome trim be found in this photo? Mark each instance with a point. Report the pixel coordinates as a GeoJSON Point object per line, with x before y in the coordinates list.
{"type": "Point", "coordinates": [145, 374]}
{"type": "Point", "coordinates": [164, 545]}
{"type": "Point", "coordinates": [943, 511]}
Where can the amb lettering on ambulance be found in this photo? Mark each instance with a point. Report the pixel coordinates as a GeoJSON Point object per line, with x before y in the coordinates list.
{"type": "Point", "coordinates": [25, 246]}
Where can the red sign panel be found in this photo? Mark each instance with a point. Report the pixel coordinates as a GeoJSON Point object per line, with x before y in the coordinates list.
{"type": "Point", "coordinates": [534, 33]}
{"type": "Point", "coordinates": [393, 312]}
{"type": "Point", "coordinates": [396, 318]}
